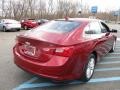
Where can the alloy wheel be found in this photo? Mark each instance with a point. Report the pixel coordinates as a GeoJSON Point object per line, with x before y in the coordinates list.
{"type": "Point", "coordinates": [90, 67]}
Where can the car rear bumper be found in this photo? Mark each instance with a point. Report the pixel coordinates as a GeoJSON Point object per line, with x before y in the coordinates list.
{"type": "Point", "coordinates": [13, 27]}
{"type": "Point", "coordinates": [59, 73]}
{"type": "Point", "coordinates": [29, 26]}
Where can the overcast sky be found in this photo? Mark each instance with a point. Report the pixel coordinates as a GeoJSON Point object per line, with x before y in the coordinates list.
{"type": "Point", "coordinates": [104, 5]}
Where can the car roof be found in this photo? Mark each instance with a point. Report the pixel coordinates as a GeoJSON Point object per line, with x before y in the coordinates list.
{"type": "Point", "coordinates": [81, 19]}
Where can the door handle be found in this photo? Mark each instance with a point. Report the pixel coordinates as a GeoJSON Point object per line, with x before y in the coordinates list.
{"type": "Point", "coordinates": [101, 39]}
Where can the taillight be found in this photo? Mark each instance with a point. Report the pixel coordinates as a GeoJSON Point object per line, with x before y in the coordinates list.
{"type": "Point", "coordinates": [65, 51]}
{"type": "Point", "coordinates": [48, 50]}
{"type": "Point", "coordinates": [62, 51]}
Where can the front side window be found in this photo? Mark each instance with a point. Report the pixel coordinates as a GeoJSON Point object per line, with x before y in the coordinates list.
{"type": "Point", "coordinates": [104, 27]}
{"type": "Point", "coordinates": [59, 26]}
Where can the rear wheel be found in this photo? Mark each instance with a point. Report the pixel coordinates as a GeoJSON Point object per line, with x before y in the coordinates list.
{"type": "Point", "coordinates": [89, 69]}
{"type": "Point", "coordinates": [25, 28]}
{"type": "Point", "coordinates": [113, 47]}
{"type": "Point", "coordinates": [4, 29]}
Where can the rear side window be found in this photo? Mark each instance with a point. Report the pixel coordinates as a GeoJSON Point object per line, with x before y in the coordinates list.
{"type": "Point", "coordinates": [93, 28]}
{"type": "Point", "coordinates": [59, 26]}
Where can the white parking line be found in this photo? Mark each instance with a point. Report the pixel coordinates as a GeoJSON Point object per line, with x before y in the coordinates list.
{"type": "Point", "coordinates": [114, 53]}
{"type": "Point", "coordinates": [112, 62]}
{"type": "Point", "coordinates": [108, 69]}
{"type": "Point", "coordinates": [112, 57]}
{"type": "Point", "coordinates": [49, 84]}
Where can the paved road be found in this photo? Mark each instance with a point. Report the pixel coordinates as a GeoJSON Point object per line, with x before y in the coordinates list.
{"type": "Point", "coordinates": [106, 77]}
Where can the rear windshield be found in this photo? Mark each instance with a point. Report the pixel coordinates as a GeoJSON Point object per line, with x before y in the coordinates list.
{"type": "Point", "coordinates": [59, 26]}
{"type": "Point", "coordinates": [10, 21]}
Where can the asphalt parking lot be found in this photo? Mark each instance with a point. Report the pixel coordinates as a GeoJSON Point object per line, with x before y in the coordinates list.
{"type": "Point", "coordinates": [106, 76]}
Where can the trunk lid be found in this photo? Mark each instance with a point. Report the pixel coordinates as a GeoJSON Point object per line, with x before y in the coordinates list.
{"type": "Point", "coordinates": [34, 49]}
{"type": "Point", "coordinates": [55, 38]}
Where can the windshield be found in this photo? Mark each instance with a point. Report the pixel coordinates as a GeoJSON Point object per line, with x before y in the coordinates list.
{"type": "Point", "coordinates": [59, 26]}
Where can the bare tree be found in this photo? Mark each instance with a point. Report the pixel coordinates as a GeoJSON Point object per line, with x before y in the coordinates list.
{"type": "Point", "coordinates": [51, 9]}
{"type": "Point", "coordinates": [41, 10]}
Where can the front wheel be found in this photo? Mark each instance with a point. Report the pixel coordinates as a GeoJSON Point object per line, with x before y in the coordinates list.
{"type": "Point", "coordinates": [113, 47]}
{"type": "Point", "coordinates": [89, 69]}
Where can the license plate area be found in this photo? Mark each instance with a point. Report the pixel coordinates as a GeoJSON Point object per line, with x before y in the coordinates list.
{"type": "Point", "coordinates": [29, 50]}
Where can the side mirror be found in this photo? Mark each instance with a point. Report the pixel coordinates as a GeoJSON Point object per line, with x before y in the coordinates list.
{"type": "Point", "coordinates": [114, 31]}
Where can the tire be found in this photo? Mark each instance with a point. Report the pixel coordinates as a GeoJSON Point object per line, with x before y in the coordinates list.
{"type": "Point", "coordinates": [25, 28]}
{"type": "Point", "coordinates": [18, 29]}
{"type": "Point", "coordinates": [89, 69]}
{"type": "Point", "coordinates": [4, 29]}
{"type": "Point", "coordinates": [113, 47]}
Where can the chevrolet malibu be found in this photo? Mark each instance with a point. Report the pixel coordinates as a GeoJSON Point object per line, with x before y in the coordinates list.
{"type": "Point", "coordinates": [64, 49]}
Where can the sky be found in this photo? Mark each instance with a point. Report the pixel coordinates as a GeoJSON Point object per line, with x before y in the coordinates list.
{"type": "Point", "coordinates": [103, 5]}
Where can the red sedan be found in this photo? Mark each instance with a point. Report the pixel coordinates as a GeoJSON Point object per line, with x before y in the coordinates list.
{"type": "Point", "coordinates": [64, 49]}
{"type": "Point", "coordinates": [30, 23]}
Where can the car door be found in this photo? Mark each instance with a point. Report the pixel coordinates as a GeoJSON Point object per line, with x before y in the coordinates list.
{"type": "Point", "coordinates": [107, 35]}
{"type": "Point", "coordinates": [104, 39]}
{"type": "Point", "coordinates": [98, 38]}
{"type": "Point", "coordinates": [94, 34]}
